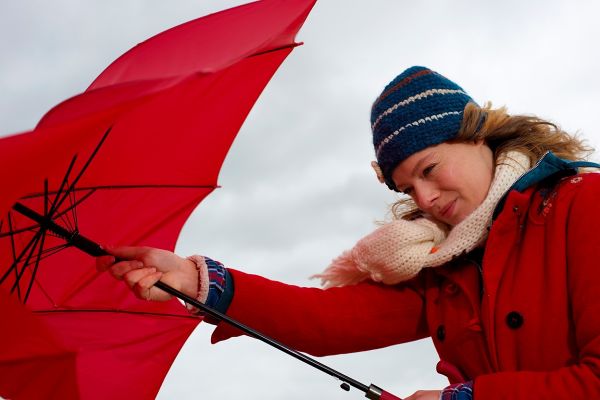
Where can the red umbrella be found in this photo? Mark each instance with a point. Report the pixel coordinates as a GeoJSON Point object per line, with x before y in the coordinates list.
{"type": "Point", "coordinates": [53, 367]}
{"type": "Point", "coordinates": [150, 135]}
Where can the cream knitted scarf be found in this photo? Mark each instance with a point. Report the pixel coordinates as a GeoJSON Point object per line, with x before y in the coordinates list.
{"type": "Point", "coordinates": [398, 250]}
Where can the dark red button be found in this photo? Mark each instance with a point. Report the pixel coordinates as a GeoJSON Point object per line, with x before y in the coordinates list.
{"type": "Point", "coordinates": [441, 333]}
{"type": "Point", "coordinates": [514, 320]}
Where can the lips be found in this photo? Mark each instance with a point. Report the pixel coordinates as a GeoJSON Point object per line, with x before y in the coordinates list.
{"type": "Point", "coordinates": [448, 209]}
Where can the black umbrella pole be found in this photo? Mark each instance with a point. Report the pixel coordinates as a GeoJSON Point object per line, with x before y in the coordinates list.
{"type": "Point", "coordinates": [94, 249]}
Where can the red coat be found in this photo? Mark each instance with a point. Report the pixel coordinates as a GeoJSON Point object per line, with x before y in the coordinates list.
{"type": "Point", "coordinates": [531, 332]}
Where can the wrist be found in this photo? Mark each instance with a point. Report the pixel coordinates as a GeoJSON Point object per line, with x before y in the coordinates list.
{"type": "Point", "coordinates": [189, 271]}
{"type": "Point", "coordinates": [199, 286]}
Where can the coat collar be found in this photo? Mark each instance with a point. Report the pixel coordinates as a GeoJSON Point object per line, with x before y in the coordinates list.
{"type": "Point", "coordinates": [547, 166]}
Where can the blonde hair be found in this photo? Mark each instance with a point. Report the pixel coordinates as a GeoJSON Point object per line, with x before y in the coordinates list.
{"type": "Point", "coordinates": [503, 132]}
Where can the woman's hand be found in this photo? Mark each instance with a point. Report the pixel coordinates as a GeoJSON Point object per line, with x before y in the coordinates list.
{"type": "Point", "coordinates": [142, 267]}
{"type": "Point", "coordinates": [425, 395]}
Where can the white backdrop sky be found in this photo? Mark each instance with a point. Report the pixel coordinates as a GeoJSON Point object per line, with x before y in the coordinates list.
{"type": "Point", "coordinates": [297, 185]}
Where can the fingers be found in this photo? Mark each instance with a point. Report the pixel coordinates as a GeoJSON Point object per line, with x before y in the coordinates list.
{"type": "Point", "coordinates": [127, 252]}
{"type": "Point", "coordinates": [142, 280]}
{"type": "Point", "coordinates": [120, 269]}
{"type": "Point", "coordinates": [134, 276]}
{"type": "Point", "coordinates": [137, 266]}
{"type": "Point", "coordinates": [145, 289]}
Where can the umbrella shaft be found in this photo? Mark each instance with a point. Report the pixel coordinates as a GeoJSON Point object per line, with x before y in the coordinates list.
{"type": "Point", "coordinates": [257, 335]}
{"type": "Point", "coordinates": [94, 249]}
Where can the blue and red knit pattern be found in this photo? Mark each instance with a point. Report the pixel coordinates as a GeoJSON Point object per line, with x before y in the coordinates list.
{"type": "Point", "coordinates": [458, 391]}
{"type": "Point", "coordinates": [217, 281]}
{"type": "Point", "coordinates": [418, 109]}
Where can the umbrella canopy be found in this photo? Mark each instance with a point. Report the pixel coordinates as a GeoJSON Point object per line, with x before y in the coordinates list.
{"type": "Point", "coordinates": [53, 367]}
{"type": "Point", "coordinates": [126, 162]}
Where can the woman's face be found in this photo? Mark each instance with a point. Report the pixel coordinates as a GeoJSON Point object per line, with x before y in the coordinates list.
{"type": "Point", "coordinates": [447, 181]}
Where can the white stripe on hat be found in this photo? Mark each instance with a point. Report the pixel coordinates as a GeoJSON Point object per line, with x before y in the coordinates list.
{"type": "Point", "coordinates": [414, 123]}
{"type": "Point", "coordinates": [414, 98]}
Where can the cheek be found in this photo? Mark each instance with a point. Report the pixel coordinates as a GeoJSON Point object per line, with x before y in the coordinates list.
{"type": "Point", "coordinates": [472, 184]}
{"type": "Point", "coordinates": [480, 184]}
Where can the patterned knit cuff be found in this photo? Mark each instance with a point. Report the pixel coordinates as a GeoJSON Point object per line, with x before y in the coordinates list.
{"type": "Point", "coordinates": [212, 281]}
{"type": "Point", "coordinates": [203, 282]}
{"type": "Point", "coordinates": [217, 281]}
{"type": "Point", "coordinates": [458, 391]}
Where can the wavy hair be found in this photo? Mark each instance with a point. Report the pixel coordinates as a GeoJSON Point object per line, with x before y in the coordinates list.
{"type": "Point", "coordinates": [503, 132]}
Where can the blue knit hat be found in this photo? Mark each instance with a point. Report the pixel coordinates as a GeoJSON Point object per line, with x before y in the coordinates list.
{"type": "Point", "coordinates": [418, 109]}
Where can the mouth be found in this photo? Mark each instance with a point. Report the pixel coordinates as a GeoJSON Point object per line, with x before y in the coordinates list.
{"type": "Point", "coordinates": [447, 210]}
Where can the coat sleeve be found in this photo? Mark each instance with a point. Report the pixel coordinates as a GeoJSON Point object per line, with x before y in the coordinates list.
{"type": "Point", "coordinates": [581, 380]}
{"type": "Point", "coordinates": [325, 322]}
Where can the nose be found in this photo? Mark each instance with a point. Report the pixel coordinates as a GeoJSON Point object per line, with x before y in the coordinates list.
{"type": "Point", "coordinates": [425, 195]}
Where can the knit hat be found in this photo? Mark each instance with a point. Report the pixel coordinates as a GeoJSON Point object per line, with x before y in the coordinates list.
{"type": "Point", "coordinates": [418, 109]}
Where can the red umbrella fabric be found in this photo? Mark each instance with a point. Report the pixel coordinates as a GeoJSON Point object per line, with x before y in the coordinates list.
{"type": "Point", "coordinates": [53, 367]}
{"type": "Point", "coordinates": [150, 135]}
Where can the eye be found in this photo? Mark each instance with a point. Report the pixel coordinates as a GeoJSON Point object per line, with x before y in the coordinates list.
{"type": "Point", "coordinates": [428, 170]}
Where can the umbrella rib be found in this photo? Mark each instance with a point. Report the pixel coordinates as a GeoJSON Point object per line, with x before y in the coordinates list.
{"type": "Point", "coordinates": [275, 49]}
{"type": "Point", "coordinates": [142, 186]}
{"type": "Point", "coordinates": [74, 205]}
{"type": "Point", "coordinates": [26, 263]}
{"type": "Point", "coordinates": [13, 247]}
{"type": "Point", "coordinates": [84, 168]}
{"type": "Point", "coordinates": [35, 268]}
{"type": "Point", "coordinates": [73, 208]}
{"type": "Point", "coordinates": [17, 231]}
{"type": "Point", "coordinates": [99, 310]}
{"type": "Point", "coordinates": [12, 237]}
{"type": "Point", "coordinates": [18, 259]}
{"type": "Point", "coordinates": [62, 185]}
{"type": "Point", "coordinates": [53, 250]}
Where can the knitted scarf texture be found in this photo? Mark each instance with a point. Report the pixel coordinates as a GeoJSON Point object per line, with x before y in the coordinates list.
{"type": "Point", "coordinates": [398, 250]}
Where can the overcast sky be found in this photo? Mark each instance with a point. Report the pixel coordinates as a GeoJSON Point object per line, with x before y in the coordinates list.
{"type": "Point", "coordinates": [297, 188]}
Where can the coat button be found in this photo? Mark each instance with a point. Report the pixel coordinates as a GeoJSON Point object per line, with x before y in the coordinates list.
{"type": "Point", "coordinates": [514, 320]}
{"type": "Point", "coordinates": [441, 333]}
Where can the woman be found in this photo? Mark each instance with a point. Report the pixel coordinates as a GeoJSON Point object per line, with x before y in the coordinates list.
{"type": "Point", "coordinates": [492, 255]}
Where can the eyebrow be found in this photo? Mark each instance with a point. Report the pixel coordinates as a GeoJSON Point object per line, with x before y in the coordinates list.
{"type": "Point", "coordinates": [416, 168]}
{"type": "Point", "coordinates": [421, 162]}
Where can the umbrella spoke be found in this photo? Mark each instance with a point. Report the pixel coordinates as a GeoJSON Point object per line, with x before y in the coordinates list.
{"type": "Point", "coordinates": [12, 236]}
{"type": "Point", "coordinates": [64, 218]}
{"type": "Point", "coordinates": [31, 249]}
{"type": "Point", "coordinates": [53, 250]}
{"type": "Point", "coordinates": [73, 206]}
{"type": "Point", "coordinates": [62, 185]}
{"type": "Point", "coordinates": [17, 259]}
{"type": "Point", "coordinates": [46, 197]}
{"type": "Point", "coordinates": [29, 228]}
{"type": "Point", "coordinates": [83, 169]}
{"type": "Point", "coordinates": [12, 245]}
{"type": "Point", "coordinates": [35, 268]}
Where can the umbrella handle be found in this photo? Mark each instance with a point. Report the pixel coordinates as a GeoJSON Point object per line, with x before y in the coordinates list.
{"type": "Point", "coordinates": [75, 239]}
